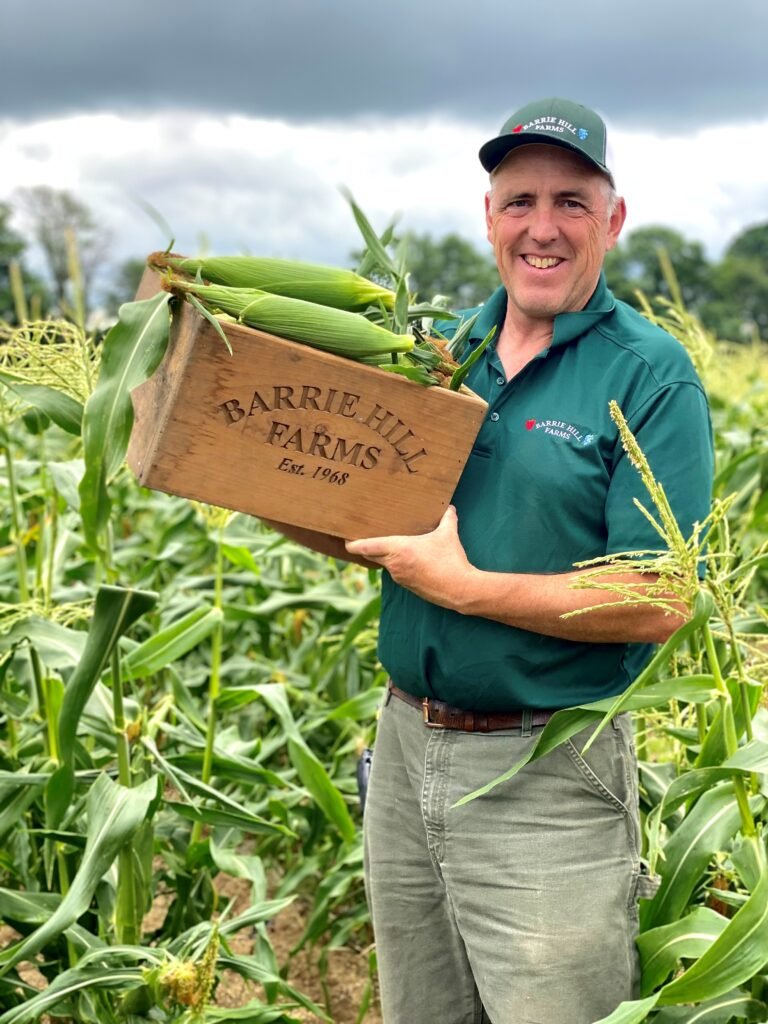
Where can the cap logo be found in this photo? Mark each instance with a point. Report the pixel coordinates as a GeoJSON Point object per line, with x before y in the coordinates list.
{"type": "Point", "coordinates": [553, 124]}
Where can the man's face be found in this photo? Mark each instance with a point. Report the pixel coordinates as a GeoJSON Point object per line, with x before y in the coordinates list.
{"type": "Point", "coordinates": [550, 224]}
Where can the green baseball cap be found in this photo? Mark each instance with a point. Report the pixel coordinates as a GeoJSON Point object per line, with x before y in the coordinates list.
{"type": "Point", "coordinates": [553, 121]}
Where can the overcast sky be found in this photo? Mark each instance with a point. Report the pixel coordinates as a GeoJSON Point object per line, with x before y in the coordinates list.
{"type": "Point", "coordinates": [238, 120]}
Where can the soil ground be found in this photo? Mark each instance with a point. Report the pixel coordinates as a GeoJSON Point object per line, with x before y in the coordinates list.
{"type": "Point", "coordinates": [346, 977]}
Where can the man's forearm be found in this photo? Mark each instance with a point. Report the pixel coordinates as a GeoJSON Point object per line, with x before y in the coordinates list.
{"type": "Point", "coordinates": [435, 566]}
{"type": "Point", "coordinates": [537, 603]}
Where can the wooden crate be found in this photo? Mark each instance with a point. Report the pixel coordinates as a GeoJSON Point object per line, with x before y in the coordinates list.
{"type": "Point", "coordinates": [286, 432]}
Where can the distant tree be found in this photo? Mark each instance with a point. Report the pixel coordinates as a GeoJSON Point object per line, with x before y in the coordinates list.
{"type": "Point", "coordinates": [739, 303]}
{"type": "Point", "coordinates": [11, 248]}
{"type": "Point", "coordinates": [450, 266]}
{"type": "Point", "coordinates": [634, 264]}
{"type": "Point", "coordinates": [751, 244]}
{"type": "Point", "coordinates": [740, 285]}
{"type": "Point", "coordinates": [54, 217]}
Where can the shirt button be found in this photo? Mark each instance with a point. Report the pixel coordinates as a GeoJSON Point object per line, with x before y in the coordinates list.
{"type": "Point", "coordinates": [494, 416]}
{"type": "Point", "coordinates": [500, 380]}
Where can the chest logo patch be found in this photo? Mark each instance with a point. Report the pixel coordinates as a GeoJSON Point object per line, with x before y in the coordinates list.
{"type": "Point", "coordinates": [561, 431]}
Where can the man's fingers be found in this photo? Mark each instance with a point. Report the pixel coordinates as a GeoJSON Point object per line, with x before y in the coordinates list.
{"type": "Point", "coordinates": [380, 547]}
{"type": "Point", "coordinates": [371, 547]}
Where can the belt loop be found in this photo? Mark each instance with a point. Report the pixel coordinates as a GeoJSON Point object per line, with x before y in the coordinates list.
{"type": "Point", "coordinates": [527, 729]}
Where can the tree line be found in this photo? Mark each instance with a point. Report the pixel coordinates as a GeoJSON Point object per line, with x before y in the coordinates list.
{"type": "Point", "coordinates": [730, 294]}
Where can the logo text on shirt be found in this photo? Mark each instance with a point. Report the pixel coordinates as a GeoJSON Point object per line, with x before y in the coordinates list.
{"type": "Point", "coordinates": [571, 432]}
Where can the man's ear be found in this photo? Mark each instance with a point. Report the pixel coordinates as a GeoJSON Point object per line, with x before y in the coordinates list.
{"type": "Point", "coordinates": [488, 216]}
{"type": "Point", "coordinates": [616, 223]}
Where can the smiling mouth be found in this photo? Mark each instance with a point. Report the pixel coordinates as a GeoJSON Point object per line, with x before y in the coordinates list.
{"type": "Point", "coordinates": [542, 262]}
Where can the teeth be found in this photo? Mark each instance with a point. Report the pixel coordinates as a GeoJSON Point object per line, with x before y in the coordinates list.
{"type": "Point", "coordinates": [542, 262]}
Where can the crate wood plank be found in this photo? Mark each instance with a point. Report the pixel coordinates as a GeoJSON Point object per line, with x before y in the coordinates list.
{"type": "Point", "coordinates": [292, 434]}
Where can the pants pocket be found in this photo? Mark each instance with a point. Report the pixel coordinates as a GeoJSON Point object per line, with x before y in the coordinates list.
{"type": "Point", "coordinates": [608, 766]}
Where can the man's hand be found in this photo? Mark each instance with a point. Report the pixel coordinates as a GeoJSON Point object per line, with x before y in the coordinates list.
{"type": "Point", "coordinates": [433, 565]}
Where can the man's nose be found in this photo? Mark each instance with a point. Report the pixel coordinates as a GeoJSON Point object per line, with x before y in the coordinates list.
{"type": "Point", "coordinates": [542, 225]}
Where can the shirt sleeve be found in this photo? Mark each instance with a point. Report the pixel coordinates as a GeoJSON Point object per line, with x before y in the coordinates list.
{"type": "Point", "coordinates": [674, 431]}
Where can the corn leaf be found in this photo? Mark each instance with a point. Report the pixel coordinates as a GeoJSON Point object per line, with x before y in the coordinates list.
{"type": "Point", "coordinates": [706, 829]}
{"type": "Point", "coordinates": [400, 312]}
{"type": "Point", "coordinates": [323, 596]}
{"type": "Point", "coordinates": [662, 948]}
{"type": "Point", "coordinates": [27, 907]}
{"type": "Point", "coordinates": [58, 646]}
{"type": "Point", "coordinates": [244, 865]}
{"type": "Point", "coordinates": [690, 689]}
{"type": "Point", "coordinates": [379, 257]}
{"type": "Point", "coordinates": [170, 644]}
{"type": "Point", "coordinates": [702, 611]}
{"type": "Point", "coordinates": [14, 808]}
{"type": "Point", "coordinates": [115, 610]}
{"type": "Point", "coordinates": [185, 782]}
{"type": "Point", "coordinates": [458, 375]}
{"type": "Point", "coordinates": [731, 1006]}
{"type": "Point", "coordinates": [735, 956]}
{"type": "Point", "coordinates": [221, 817]}
{"type": "Point", "coordinates": [368, 263]}
{"type": "Point", "coordinates": [249, 967]}
{"type": "Point", "coordinates": [714, 749]}
{"type": "Point", "coordinates": [752, 757]}
{"type": "Point", "coordinates": [132, 350]}
{"type": "Point", "coordinates": [311, 772]}
{"type": "Point", "coordinates": [561, 726]}
{"type": "Point", "coordinates": [457, 343]}
{"type": "Point", "coordinates": [65, 411]}
{"type": "Point", "coordinates": [415, 374]}
{"type": "Point", "coordinates": [747, 857]}
{"type": "Point", "coordinates": [115, 813]}
{"type": "Point", "coordinates": [69, 984]}
{"type": "Point", "coordinates": [254, 1012]}
{"type": "Point", "coordinates": [689, 785]}
{"type": "Point", "coordinates": [360, 707]}
{"type": "Point", "coordinates": [211, 320]}
{"type": "Point", "coordinates": [633, 1012]}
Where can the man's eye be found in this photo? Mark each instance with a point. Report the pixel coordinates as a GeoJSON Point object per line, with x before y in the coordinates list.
{"type": "Point", "coordinates": [572, 204]}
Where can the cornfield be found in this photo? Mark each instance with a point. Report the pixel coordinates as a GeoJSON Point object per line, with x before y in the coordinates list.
{"type": "Point", "coordinates": [185, 695]}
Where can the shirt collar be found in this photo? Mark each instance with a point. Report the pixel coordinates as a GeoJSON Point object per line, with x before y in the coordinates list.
{"type": "Point", "coordinates": [568, 326]}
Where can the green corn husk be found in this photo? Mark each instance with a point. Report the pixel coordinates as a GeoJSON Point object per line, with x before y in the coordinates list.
{"type": "Point", "coordinates": [334, 330]}
{"type": "Point", "coordinates": [328, 286]}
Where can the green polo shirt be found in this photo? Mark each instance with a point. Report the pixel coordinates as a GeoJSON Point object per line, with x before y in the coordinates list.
{"type": "Point", "coordinates": [548, 484]}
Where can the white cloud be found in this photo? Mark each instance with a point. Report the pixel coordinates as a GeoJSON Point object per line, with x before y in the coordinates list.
{"type": "Point", "coordinates": [709, 185]}
{"type": "Point", "coordinates": [268, 187]}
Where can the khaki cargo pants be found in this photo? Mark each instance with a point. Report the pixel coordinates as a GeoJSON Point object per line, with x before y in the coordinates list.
{"type": "Point", "coordinates": [517, 908]}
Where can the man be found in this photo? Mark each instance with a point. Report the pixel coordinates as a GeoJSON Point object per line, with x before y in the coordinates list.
{"type": "Point", "coordinates": [520, 907]}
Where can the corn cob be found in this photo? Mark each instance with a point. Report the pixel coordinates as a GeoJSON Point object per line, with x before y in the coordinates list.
{"type": "Point", "coordinates": [329, 286]}
{"type": "Point", "coordinates": [334, 330]}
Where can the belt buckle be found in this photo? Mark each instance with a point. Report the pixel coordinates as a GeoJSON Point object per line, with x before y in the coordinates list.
{"type": "Point", "coordinates": [425, 712]}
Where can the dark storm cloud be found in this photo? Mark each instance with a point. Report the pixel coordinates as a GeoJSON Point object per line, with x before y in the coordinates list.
{"type": "Point", "coordinates": [670, 65]}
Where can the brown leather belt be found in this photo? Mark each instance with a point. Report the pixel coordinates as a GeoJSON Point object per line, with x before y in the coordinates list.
{"type": "Point", "coordinates": [439, 715]}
